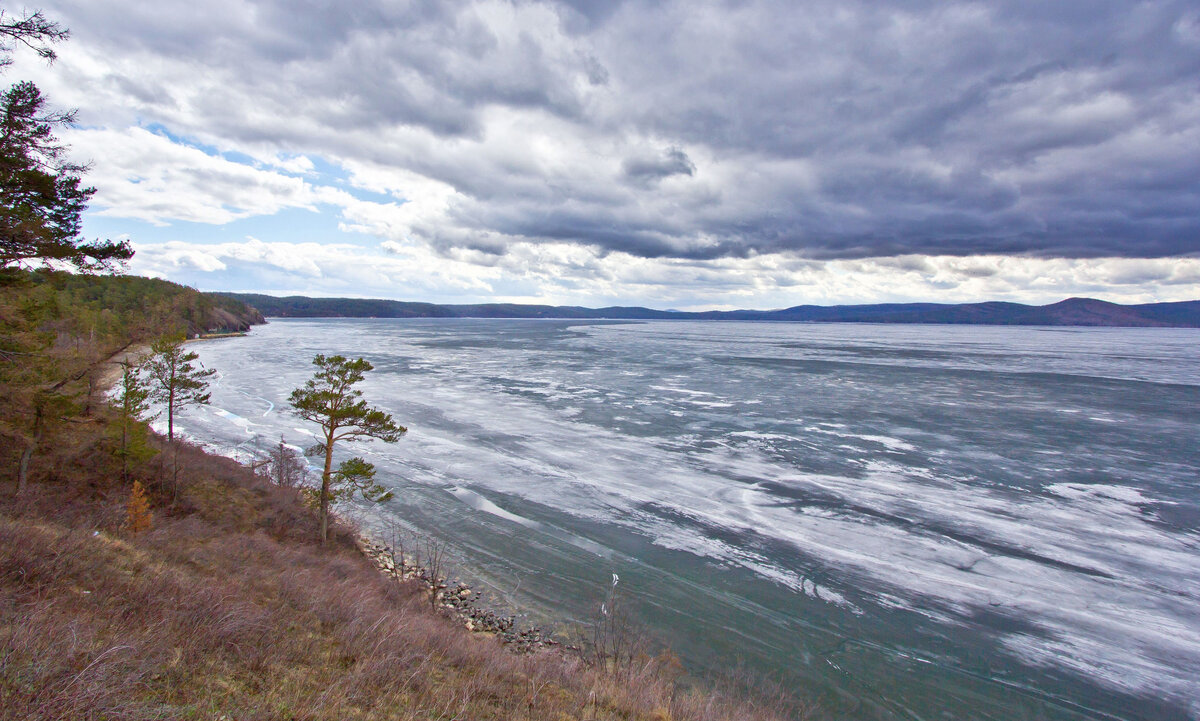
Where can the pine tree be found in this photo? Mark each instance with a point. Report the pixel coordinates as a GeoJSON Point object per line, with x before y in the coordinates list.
{"type": "Point", "coordinates": [176, 381]}
{"type": "Point", "coordinates": [133, 403]}
{"type": "Point", "coordinates": [330, 399]}
{"type": "Point", "coordinates": [41, 193]}
{"type": "Point", "coordinates": [174, 378]}
{"type": "Point", "coordinates": [41, 203]}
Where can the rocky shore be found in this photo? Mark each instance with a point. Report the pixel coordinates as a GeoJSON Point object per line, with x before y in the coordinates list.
{"type": "Point", "coordinates": [457, 600]}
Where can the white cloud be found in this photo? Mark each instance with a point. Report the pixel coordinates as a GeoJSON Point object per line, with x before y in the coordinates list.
{"type": "Point", "coordinates": [147, 176]}
{"type": "Point", "coordinates": [565, 273]}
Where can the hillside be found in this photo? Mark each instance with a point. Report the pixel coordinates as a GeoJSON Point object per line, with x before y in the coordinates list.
{"type": "Point", "coordinates": [178, 307]}
{"type": "Point", "coordinates": [1070, 312]}
{"type": "Point", "coordinates": [126, 305]}
{"type": "Point", "coordinates": [228, 608]}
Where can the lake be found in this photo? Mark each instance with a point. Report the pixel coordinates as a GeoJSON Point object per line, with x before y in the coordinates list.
{"type": "Point", "coordinates": [900, 522]}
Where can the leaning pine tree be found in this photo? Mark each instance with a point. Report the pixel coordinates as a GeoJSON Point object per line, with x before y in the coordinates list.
{"type": "Point", "coordinates": [330, 400]}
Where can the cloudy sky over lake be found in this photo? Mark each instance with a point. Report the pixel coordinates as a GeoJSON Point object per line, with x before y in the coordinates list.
{"type": "Point", "coordinates": [672, 154]}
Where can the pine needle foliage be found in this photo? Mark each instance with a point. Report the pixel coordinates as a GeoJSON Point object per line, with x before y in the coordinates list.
{"type": "Point", "coordinates": [177, 381]}
{"type": "Point", "coordinates": [42, 197]}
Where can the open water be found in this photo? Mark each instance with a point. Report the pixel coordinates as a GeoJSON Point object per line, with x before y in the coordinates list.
{"type": "Point", "coordinates": [900, 522]}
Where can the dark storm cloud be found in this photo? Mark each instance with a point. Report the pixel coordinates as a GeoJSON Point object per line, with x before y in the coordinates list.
{"type": "Point", "coordinates": [832, 129]}
{"type": "Point", "coordinates": [646, 170]}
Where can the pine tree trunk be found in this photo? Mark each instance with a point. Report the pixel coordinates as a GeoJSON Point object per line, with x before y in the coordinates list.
{"type": "Point", "coordinates": [174, 474]}
{"type": "Point", "coordinates": [125, 449]}
{"type": "Point", "coordinates": [325, 478]}
{"type": "Point", "coordinates": [23, 470]}
{"type": "Point", "coordinates": [27, 454]}
{"type": "Point", "coordinates": [91, 391]}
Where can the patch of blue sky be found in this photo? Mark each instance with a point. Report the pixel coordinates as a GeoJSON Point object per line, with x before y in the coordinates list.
{"type": "Point", "coordinates": [336, 176]}
{"type": "Point", "coordinates": [329, 173]}
{"type": "Point", "coordinates": [322, 173]}
{"type": "Point", "coordinates": [232, 156]}
{"type": "Point", "coordinates": [160, 129]}
{"type": "Point", "coordinates": [291, 225]}
{"type": "Point", "coordinates": [370, 196]}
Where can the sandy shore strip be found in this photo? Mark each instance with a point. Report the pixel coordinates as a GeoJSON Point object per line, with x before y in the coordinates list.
{"type": "Point", "coordinates": [110, 370]}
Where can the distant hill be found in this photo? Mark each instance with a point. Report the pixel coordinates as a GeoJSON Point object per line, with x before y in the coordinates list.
{"type": "Point", "coordinates": [1070, 312]}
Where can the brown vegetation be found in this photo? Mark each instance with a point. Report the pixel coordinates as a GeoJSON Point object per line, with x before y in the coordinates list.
{"type": "Point", "coordinates": [137, 511]}
{"type": "Point", "coordinates": [228, 608]}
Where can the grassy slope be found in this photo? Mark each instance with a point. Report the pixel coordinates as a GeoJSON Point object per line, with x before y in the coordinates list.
{"type": "Point", "coordinates": [226, 609]}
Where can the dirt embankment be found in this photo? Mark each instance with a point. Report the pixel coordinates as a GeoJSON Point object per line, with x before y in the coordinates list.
{"type": "Point", "coordinates": [223, 320]}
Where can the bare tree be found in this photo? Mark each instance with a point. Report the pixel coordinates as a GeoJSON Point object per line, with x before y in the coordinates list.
{"type": "Point", "coordinates": [614, 641]}
{"type": "Point", "coordinates": [435, 558]}
{"type": "Point", "coordinates": [285, 466]}
{"type": "Point", "coordinates": [397, 541]}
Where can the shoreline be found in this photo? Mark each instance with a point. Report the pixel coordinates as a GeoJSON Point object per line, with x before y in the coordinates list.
{"type": "Point", "coordinates": [456, 599]}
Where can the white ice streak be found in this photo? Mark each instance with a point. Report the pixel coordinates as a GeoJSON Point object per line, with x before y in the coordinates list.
{"type": "Point", "coordinates": [236, 420]}
{"type": "Point", "coordinates": [892, 444]}
{"type": "Point", "coordinates": [1109, 619]}
{"type": "Point", "coordinates": [616, 479]}
{"type": "Point", "coordinates": [479, 503]}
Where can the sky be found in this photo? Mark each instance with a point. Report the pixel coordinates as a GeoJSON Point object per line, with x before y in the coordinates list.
{"type": "Point", "coordinates": [678, 154]}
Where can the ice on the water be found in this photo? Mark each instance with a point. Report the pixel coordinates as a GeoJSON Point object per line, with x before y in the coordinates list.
{"type": "Point", "coordinates": [947, 497]}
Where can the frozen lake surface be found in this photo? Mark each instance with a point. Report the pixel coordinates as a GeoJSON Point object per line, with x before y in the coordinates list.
{"type": "Point", "coordinates": [905, 522]}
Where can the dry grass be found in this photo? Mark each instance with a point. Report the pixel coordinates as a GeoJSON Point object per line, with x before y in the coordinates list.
{"type": "Point", "coordinates": [225, 609]}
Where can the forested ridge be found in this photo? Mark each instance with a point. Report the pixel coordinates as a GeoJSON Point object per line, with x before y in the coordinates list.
{"type": "Point", "coordinates": [58, 331]}
{"type": "Point", "coordinates": [1069, 312]}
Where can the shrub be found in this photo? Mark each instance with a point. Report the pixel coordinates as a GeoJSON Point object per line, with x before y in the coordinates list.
{"type": "Point", "coordinates": [137, 511]}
